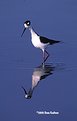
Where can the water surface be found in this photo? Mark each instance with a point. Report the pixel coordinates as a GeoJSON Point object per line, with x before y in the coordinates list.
{"type": "Point", "coordinates": [18, 59]}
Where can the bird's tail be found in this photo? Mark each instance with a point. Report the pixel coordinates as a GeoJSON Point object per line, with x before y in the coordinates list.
{"type": "Point", "coordinates": [55, 41]}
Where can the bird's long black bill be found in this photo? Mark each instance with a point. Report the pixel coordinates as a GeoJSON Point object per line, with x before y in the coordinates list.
{"type": "Point", "coordinates": [23, 32]}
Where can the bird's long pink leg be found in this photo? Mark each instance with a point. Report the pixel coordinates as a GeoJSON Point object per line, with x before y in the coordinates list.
{"type": "Point", "coordinates": [46, 56]}
{"type": "Point", "coordinates": [43, 55]}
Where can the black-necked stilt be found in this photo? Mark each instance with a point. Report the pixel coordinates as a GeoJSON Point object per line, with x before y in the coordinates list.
{"type": "Point", "coordinates": [39, 41]}
{"type": "Point", "coordinates": [39, 73]}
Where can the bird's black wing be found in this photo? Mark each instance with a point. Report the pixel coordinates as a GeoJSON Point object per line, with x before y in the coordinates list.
{"type": "Point", "coordinates": [46, 40]}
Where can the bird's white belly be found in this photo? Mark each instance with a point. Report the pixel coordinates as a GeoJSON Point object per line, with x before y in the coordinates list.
{"type": "Point", "coordinates": [36, 42]}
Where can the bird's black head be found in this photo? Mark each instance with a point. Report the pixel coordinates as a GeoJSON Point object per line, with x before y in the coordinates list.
{"type": "Point", "coordinates": [27, 23]}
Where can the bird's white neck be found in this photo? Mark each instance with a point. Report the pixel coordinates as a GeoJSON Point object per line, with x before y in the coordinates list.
{"type": "Point", "coordinates": [34, 38]}
{"type": "Point", "coordinates": [32, 31]}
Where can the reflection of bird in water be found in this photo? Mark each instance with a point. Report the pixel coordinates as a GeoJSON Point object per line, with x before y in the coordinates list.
{"type": "Point", "coordinates": [39, 41]}
{"type": "Point", "coordinates": [39, 73]}
{"type": "Point", "coordinates": [28, 94]}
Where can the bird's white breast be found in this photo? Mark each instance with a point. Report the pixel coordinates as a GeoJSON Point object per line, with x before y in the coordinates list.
{"type": "Point", "coordinates": [36, 40]}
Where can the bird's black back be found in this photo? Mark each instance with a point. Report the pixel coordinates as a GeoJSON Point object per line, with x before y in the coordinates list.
{"type": "Point", "coordinates": [46, 40]}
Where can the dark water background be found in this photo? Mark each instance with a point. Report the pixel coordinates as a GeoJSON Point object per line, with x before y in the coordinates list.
{"type": "Point", "coordinates": [55, 19]}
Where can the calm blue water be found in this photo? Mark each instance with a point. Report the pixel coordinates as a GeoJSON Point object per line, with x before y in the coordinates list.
{"type": "Point", "coordinates": [55, 19]}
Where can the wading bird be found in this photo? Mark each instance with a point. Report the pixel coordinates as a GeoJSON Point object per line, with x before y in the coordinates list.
{"type": "Point", "coordinates": [39, 41]}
